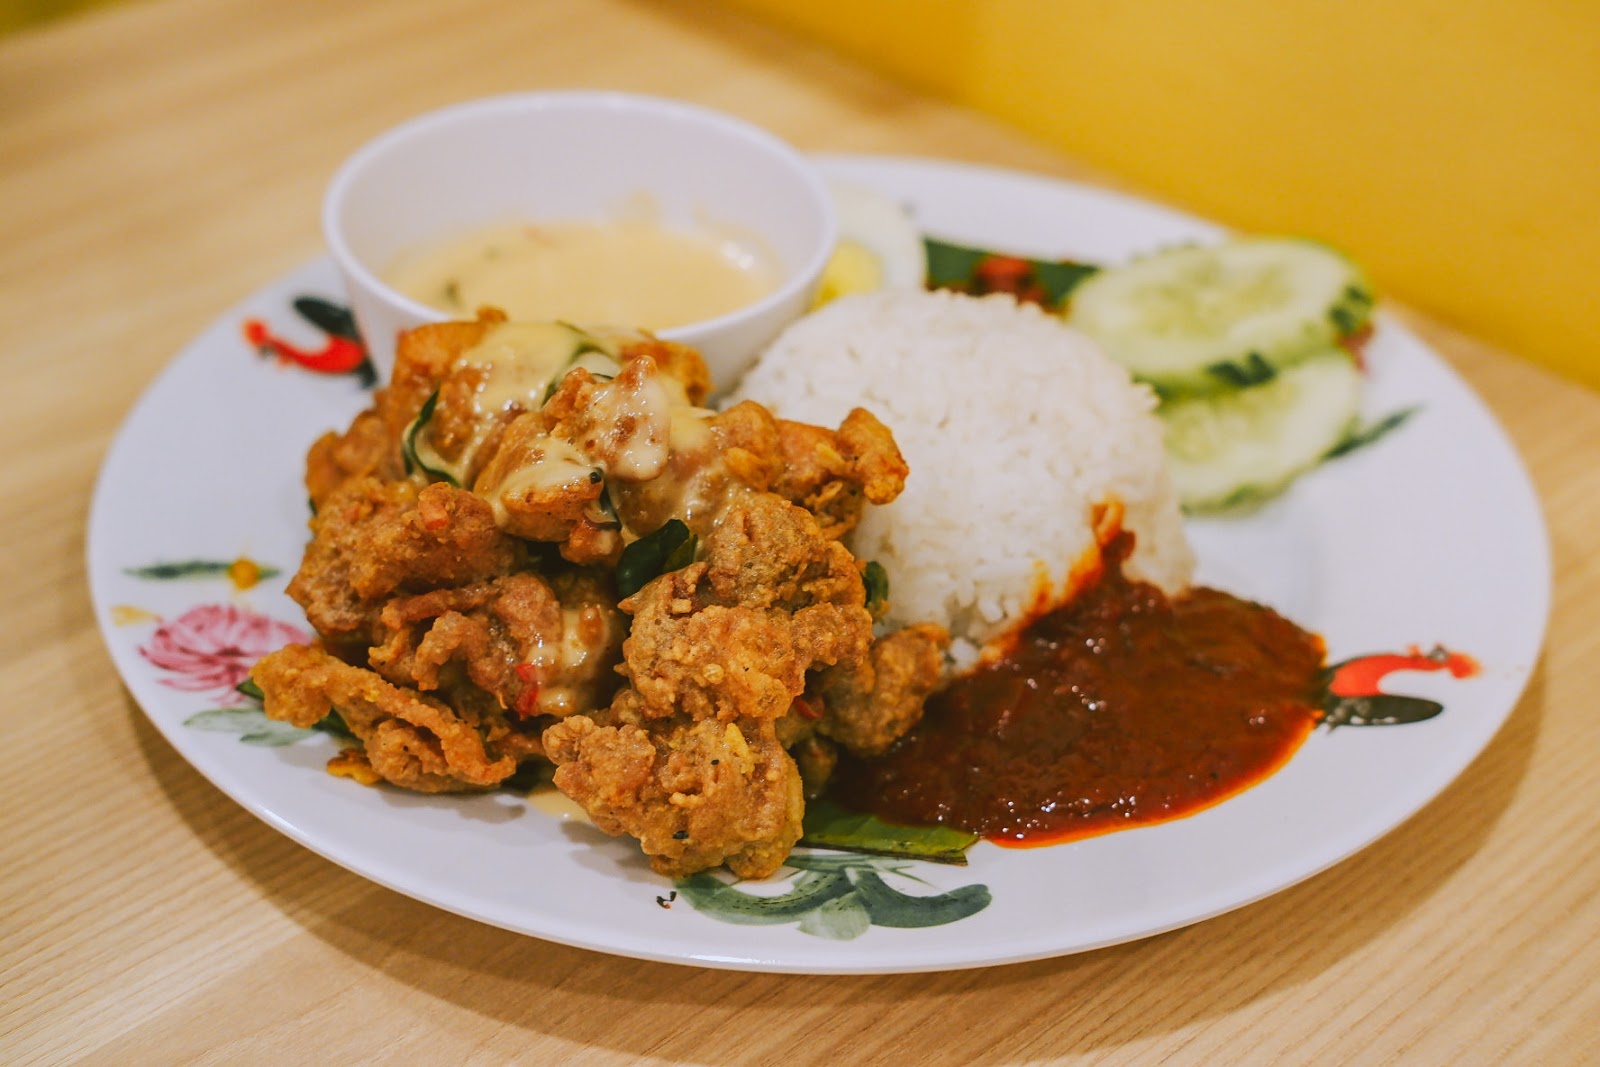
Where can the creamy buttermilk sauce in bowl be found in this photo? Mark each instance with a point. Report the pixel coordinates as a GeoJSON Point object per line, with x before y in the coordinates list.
{"type": "Point", "coordinates": [609, 210]}
{"type": "Point", "coordinates": [632, 269]}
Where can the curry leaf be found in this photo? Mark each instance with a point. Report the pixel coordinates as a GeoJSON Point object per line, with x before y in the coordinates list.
{"type": "Point", "coordinates": [876, 579]}
{"type": "Point", "coordinates": [827, 825]}
{"type": "Point", "coordinates": [666, 549]}
{"type": "Point", "coordinates": [333, 724]}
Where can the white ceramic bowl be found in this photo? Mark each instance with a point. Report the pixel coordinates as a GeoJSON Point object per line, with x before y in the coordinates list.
{"type": "Point", "coordinates": [578, 155]}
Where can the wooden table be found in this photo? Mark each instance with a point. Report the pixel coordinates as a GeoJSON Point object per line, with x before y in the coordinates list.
{"type": "Point", "coordinates": [162, 159]}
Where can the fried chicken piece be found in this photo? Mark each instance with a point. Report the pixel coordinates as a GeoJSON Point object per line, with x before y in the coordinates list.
{"type": "Point", "coordinates": [715, 661]}
{"type": "Point", "coordinates": [535, 647]}
{"type": "Point", "coordinates": [372, 539]}
{"type": "Point", "coordinates": [861, 453]}
{"type": "Point", "coordinates": [551, 466]}
{"type": "Point", "coordinates": [465, 679]}
{"type": "Point", "coordinates": [679, 362]}
{"type": "Point", "coordinates": [830, 473]}
{"type": "Point", "coordinates": [695, 793]}
{"type": "Point", "coordinates": [541, 487]}
{"type": "Point", "coordinates": [694, 486]}
{"type": "Point", "coordinates": [767, 553]}
{"type": "Point", "coordinates": [870, 703]}
{"type": "Point", "coordinates": [735, 634]}
{"type": "Point", "coordinates": [624, 424]}
{"type": "Point", "coordinates": [429, 362]}
{"type": "Point", "coordinates": [371, 445]}
{"type": "Point", "coordinates": [364, 450]}
{"type": "Point", "coordinates": [750, 445]}
{"type": "Point", "coordinates": [424, 358]}
{"type": "Point", "coordinates": [718, 649]}
{"type": "Point", "coordinates": [414, 741]}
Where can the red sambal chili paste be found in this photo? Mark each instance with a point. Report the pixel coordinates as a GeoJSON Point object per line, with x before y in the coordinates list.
{"type": "Point", "coordinates": [1122, 708]}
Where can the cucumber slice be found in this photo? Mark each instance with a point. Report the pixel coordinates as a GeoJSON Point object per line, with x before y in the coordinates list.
{"type": "Point", "coordinates": [1236, 447]}
{"type": "Point", "coordinates": [418, 454]}
{"type": "Point", "coordinates": [1202, 318]}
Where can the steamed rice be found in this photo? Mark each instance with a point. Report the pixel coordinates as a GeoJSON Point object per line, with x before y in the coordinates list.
{"type": "Point", "coordinates": [1015, 427]}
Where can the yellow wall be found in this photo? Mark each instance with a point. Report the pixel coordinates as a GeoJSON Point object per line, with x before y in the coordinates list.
{"type": "Point", "coordinates": [1451, 145]}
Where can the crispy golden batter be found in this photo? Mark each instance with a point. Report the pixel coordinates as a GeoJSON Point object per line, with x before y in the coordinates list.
{"type": "Point", "coordinates": [496, 660]}
{"type": "Point", "coordinates": [414, 741]}
{"type": "Point", "coordinates": [695, 793]}
{"type": "Point", "coordinates": [459, 576]}
{"type": "Point", "coordinates": [735, 634]}
{"type": "Point", "coordinates": [829, 472]}
{"type": "Point", "coordinates": [535, 649]}
{"type": "Point", "coordinates": [373, 539]}
{"type": "Point", "coordinates": [719, 649]}
{"type": "Point", "coordinates": [371, 446]}
{"type": "Point", "coordinates": [868, 704]}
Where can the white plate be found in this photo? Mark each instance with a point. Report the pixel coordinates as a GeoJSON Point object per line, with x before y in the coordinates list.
{"type": "Point", "coordinates": [1432, 536]}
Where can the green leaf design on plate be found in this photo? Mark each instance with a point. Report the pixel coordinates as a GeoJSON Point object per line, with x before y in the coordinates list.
{"type": "Point", "coordinates": [829, 826]}
{"type": "Point", "coordinates": [255, 728]}
{"type": "Point", "coordinates": [194, 568]}
{"type": "Point", "coordinates": [835, 897]}
{"type": "Point", "coordinates": [843, 918]}
{"type": "Point", "coordinates": [328, 317]}
{"type": "Point", "coordinates": [338, 321]}
{"type": "Point", "coordinates": [1366, 435]}
{"type": "Point", "coordinates": [1377, 709]}
{"type": "Point", "coordinates": [890, 907]}
{"type": "Point", "coordinates": [251, 724]}
{"type": "Point", "coordinates": [811, 890]}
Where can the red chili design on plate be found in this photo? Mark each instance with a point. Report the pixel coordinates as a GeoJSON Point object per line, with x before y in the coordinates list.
{"type": "Point", "coordinates": [342, 353]}
{"type": "Point", "coordinates": [1361, 676]}
{"type": "Point", "coordinates": [1354, 696]}
{"type": "Point", "coordinates": [339, 356]}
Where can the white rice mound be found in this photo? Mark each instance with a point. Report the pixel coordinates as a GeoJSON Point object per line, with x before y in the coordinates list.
{"type": "Point", "coordinates": [1015, 427]}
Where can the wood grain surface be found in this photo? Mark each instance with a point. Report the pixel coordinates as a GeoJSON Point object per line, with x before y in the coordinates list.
{"type": "Point", "coordinates": [160, 160]}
